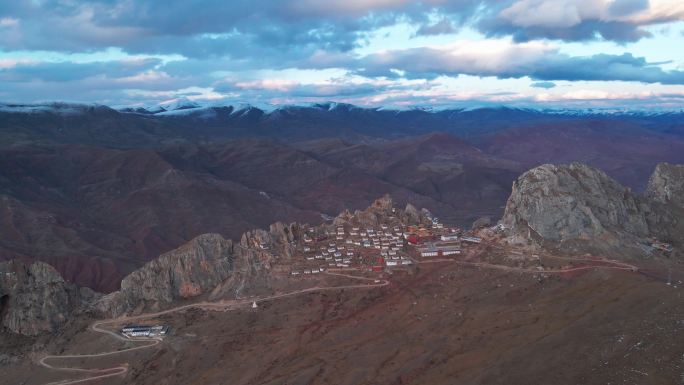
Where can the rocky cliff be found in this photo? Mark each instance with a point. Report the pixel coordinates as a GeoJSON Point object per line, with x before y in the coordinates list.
{"type": "Point", "coordinates": [381, 209]}
{"type": "Point", "coordinates": [665, 211]}
{"type": "Point", "coordinates": [581, 205]}
{"type": "Point", "coordinates": [193, 269]}
{"type": "Point", "coordinates": [35, 298]}
{"type": "Point", "coordinates": [666, 185]}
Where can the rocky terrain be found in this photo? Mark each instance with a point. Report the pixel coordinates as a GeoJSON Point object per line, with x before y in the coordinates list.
{"type": "Point", "coordinates": [444, 325]}
{"type": "Point", "coordinates": [667, 184]}
{"type": "Point", "coordinates": [568, 208]}
{"type": "Point", "coordinates": [189, 271]}
{"type": "Point", "coordinates": [97, 192]}
{"type": "Point", "coordinates": [577, 207]}
{"type": "Point", "coordinates": [437, 323]}
{"type": "Point", "coordinates": [35, 299]}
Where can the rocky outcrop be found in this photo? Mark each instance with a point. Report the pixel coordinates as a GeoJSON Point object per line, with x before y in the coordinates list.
{"type": "Point", "coordinates": [412, 214]}
{"type": "Point", "coordinates": [580, 205]}
{"type": "Point", "coordinates": [278, 238]}
{"type": "Point", "coordinates": [666, 185]}
{"type": "Point", "coordinates": [482, 222]}
{"type": "Point", "coordinates": [573, 202]}
{"type": "Point", "coordinates": [665, 211]}
{"type": "Point", "coordinates": [194, 269]}
{"type": "Point", "coordinates": [382, 209]}
{"type": "Point", "coordinates": [35, 298]}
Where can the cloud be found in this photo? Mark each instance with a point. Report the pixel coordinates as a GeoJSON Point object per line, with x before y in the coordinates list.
{"type": "Point", "coordinates": [585, 95]}
{"type": "Point", "coordinates": [483, 58]}
{"type": "Point", "coordinates": [272, 88]}
{"type": "Point", "coordinates": [627, 7]}
{"type": "Point", "coordinates": [27, 71]}
{"type": "Point", "coordinates": [7, 22]}
{"type": "Point", "coordinates": [573, 20]}
{"type": "Point", "coordinates": [545, 85]}
{"type": "Point", "coordinates": [504, 59]}
{"type": "Point", "coordinates": [216, 27]}
{"type": "Point", "coordinates": [442, 27]}
{"type": "Point", "coordinates": [265, 31]}
{"type": "Point", "coordinates": [252, 40]}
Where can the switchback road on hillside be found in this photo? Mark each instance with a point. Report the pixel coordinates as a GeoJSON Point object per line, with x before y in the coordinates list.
{"type": "Point", "coordinates": [223, 305]}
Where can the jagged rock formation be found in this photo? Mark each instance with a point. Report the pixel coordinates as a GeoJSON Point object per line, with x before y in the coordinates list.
{"type": "Point", "coordinates": [572, 202]}
{"type": "Point", "coordinates": [278, 237]}
{"type": "Point", "coordinates": [412, 214]}
{"type": "Point", "coordinates": [207, 265]}
{"type": "Point", "coordinates": [582, 205]}
{"type": "Point", "coordinates": [665, 194]}
{"type": "Point", "coordinates": [35, 298]}
{"type": "Point", "coordinates": [666, 185]}
{"type": "Point", "coordinates": [379, 211]}
{"type": "Point", "coordinates": [191, 270]}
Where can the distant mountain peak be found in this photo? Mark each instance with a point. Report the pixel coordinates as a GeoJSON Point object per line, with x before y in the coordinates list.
{"type": "Point", "coordinates": [179, 104]}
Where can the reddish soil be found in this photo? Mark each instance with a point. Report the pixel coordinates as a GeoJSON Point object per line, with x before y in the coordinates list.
{"type": "Point", "coordinates": [447, 324]}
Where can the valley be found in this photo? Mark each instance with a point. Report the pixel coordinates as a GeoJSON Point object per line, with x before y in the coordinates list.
{"type": "Point", "coordinates": [342, 192]}
{"type": "Point", "coordinates": [267, 264]}
{"type": "Point", "coordinates": [97, 192]}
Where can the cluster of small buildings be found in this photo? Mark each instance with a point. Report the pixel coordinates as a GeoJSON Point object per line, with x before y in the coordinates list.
{"type": "Point", "coordinates": [438, 241]}
{"type": "Point", "coordinates": [351, 246]}
{"type": "Point", "coordinates": [376, 248]}
{"type": "Point", "coordinates": [308, 271]}
{"type": "Point", "coordinates": [145, 330]}
{"type": "Point", "coordinates": [438, 250]}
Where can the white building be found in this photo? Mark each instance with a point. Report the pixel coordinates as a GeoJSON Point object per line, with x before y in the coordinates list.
{"type": "Point", "coordinates": [472, 239]}
{"type": "Point", "coordinates": [428, 253]}
{"type": "Point", "coordinates": [448, 238]}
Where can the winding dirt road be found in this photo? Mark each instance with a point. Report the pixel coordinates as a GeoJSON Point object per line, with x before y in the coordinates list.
{"type": "Point", "coordinates": [223, 305]}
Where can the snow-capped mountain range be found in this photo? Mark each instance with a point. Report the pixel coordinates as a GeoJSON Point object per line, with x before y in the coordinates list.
{"type": "Point", "coordinates": [186, 107]}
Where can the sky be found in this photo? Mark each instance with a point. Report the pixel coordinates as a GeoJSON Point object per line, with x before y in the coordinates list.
{"type": "Point", "coordinates": [625, 54]}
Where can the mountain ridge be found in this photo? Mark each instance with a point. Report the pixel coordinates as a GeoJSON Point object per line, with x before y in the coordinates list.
{"type": "Point", "coordinates": [572, 198]}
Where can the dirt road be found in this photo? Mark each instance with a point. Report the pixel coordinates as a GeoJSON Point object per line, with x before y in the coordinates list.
{"type": "Point", "coordinates": [611, 265]}
{"type": "Point", "coordinates": [223, 305]}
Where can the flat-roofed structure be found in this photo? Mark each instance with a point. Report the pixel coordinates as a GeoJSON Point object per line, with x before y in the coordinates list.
{"type": "Point", "coordinates": [144, 330]}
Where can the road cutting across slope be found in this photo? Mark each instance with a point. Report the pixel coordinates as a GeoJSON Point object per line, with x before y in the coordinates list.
{"type": "Point", "coordinates": [223, 305]}
{"type": "Point", "coordinates": [616, 265]}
